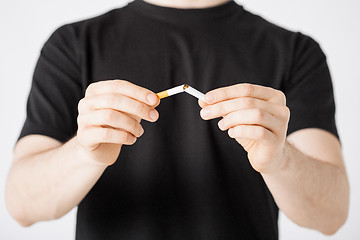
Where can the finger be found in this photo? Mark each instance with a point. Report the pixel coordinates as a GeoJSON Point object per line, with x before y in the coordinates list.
{"type": "Point", "coordinates": [138, 119]}
{"type": "Point", "coordinates": [202, 104]}
{"type": "Point", "coordinates": [93, 136]}
{"type": "Point", "coordinates": [120, 103]}
{"type": "Point", "coordinates": [113, 119]}
{"type": "Point", "coordinates": [256, 133]}
{"type": "Point", "coordinates": [125, 88]}
{"type": "Point", "coordinates": [225, 107]}
{"type": "Point", "coordinates": [245, 90]}
{"type": "Point", "coordinates": [157, 104]}
{"type": "Point", "coordinates": [251, 117]}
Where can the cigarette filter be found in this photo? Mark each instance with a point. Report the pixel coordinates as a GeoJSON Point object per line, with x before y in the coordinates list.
{"type": "Point", "coordinates": [171, 91]}
{"type": "Point", "coordinates": [192, 91]}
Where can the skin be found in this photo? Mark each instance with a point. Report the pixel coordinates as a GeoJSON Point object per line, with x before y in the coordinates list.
{"type": "Point", "coordinates": [47, 178]}
{"type": "Point", "coordinates": [187, 3]}
{"type": "Point", "coordinates": [304, 171]}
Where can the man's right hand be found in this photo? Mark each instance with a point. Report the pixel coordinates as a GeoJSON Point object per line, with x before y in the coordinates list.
{"type": "Point", "coordinates": [110, 116]}
{"type": "Point", "coordinates": [48, 178]}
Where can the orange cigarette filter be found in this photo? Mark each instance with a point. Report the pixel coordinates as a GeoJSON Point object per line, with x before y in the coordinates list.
{"type": "Point", "coordinates": [162, 94]}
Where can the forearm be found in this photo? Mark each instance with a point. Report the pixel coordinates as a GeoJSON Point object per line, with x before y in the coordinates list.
{"type": "Point", "coordinates": [312, 193]}
{"type": "Point", "coordinates": [49, 184]}
{"type": "Point", "coordinates": [45, 184]}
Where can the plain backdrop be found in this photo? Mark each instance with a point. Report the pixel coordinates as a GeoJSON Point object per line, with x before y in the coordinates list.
{"type": "Point", "coordinates": [26, 25]}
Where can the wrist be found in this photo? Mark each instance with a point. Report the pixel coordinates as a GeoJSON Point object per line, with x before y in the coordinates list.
{"type": "Point", "coordinates": [284, 157]}
{"type": "Point", "coordinates": [87, 157]}
{"type": "Point", "coordinates": [280, 162]}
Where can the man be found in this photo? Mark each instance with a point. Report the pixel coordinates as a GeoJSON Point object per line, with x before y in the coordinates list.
{"type": "Point", "coordinates": [180, 177]}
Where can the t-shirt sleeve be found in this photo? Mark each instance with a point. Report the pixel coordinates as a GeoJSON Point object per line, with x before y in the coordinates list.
{"type": "Point", "coordinates": [309, 90]}
{"type": "Point", "coordinates": [56, 89]}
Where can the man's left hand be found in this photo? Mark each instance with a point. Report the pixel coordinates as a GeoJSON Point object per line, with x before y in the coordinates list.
{"type": "Point", "coordinates": [256, 116]}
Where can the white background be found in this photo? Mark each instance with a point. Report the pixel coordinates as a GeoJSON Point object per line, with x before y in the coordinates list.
{"type": "Point", "coordinates": [25, 25]}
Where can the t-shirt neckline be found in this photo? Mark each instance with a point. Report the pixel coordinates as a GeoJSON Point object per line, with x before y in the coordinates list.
{"type": "Point", "coordinates": [186, 14]}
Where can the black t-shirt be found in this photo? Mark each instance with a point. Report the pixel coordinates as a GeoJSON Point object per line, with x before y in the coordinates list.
{"type": "Point", "coordinates": [184, 178]}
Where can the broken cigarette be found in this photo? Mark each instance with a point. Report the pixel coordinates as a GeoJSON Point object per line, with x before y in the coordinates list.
{"type": "Point", "coordinates": [192, 91]}
{"type": "Point", "coordinates": [179, 89]}
{"type": "Point", "coordinates": [170, 92]}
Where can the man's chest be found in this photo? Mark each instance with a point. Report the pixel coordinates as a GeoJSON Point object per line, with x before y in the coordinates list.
{"type": "Point", "coordinates": [159, 59]}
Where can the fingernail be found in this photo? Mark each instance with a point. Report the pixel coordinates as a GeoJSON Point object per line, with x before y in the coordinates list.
{"type": "Point", "coordinates": [153, 115]}
{"type": "Point", "coordinates": [205, 112]}
{"type": "Point", "coordinates": [151, 99]}
{"type": "Point", "coordinates": [220, 124]}
{"type": "Point", "coordinates": [209, 98]}
{"type": "Point", "coordinates": [231, 132]}
{"type": "Point", "coordinates": [133, 139]}
{"type": "Point", "coordinates": [141, 132]}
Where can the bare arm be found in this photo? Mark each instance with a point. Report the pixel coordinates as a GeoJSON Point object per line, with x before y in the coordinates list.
{"type": "Point", "coordinates": [47, 178]}
{"type": "Point", "coordinates": [46, 182]}
{"type": "Point", "coordinates": [312, 188]}
{"type": "Point", "coordinates": [304, 172]}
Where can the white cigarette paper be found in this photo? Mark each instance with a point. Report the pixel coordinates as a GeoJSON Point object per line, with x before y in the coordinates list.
{"type": "Point", "coordinates": [192, 91]}
{"type": "Point", "coordinates": [176, 90]}
{"type": "Point", "coordinates": [171, 91]}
